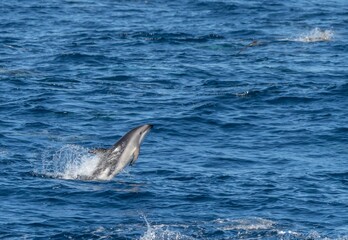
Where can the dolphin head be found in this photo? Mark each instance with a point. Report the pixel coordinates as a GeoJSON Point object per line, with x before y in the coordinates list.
{"type": "Point", "coordinates": [138, 134]}
{"type": "Point", "coordinates": [134, 139]}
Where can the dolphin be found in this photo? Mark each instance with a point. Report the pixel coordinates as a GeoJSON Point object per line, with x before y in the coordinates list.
{"type": "Point", "coordinates": [123, 153]}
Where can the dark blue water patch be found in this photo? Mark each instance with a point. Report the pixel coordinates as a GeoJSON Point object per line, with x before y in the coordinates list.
{"type": "Point", "coordinates": [86, 235]}
{"type": "Point", "coordinates": [81, 58]}
{"type": "Point", "coordinates": [343, 176]}
{"type": "Point", "coordinates": [333, 138]}
{"type": "Point", "coordinates": [112, 79]}
{"type": "Point", "coordinates": [217, 5]}
{"type": "Point", "coordinates": [235, 126]}
{"type": "Point", "coordinates": [340, 90]}
{"type": "Point", "coordinates": [291, 100]}
{"type": "Point", "coordinates": [37, 125]}
{"type": "Point", "coordinates": [342, 130]}
{"type": "Point", "coordinates": [171, 37]}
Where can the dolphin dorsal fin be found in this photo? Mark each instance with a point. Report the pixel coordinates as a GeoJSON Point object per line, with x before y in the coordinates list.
{"type": "Point", "coordinates": [98, 150]}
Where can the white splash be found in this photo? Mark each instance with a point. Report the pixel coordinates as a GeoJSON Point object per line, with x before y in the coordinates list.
{"type": "Point", "coordinates": [161, 232]}
{"type": "Point", "coordinates": [70, 162]}
{"type": "Point", "coordinates": [316, 35]}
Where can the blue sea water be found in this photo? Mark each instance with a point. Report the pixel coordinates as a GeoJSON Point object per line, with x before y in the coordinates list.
{"type": "Point", "coordinates": [249, 101]}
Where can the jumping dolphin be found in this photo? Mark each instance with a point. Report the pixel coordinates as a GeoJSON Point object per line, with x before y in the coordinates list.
{"type": "Point", "coordinates": [122, 153]}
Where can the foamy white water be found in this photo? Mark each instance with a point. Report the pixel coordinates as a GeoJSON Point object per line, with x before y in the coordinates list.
{"type": "Point", "coordinates": [316, 35]}
{"type": "Point", "coordinates": [162, 232]}
{"type": "Point", "coordinates": [70, 162]}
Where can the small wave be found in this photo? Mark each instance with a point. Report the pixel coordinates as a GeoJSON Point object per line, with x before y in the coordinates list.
{"type": "Point", "coordinates": [245, 224]}
{"type": "Point", "coordinates": [3, 152]}
{"type": "Point", "coordinates": [316, 35]}
{"type": "Point", "coordinates": [16, 72]}
{"type": "Point", "coordinates": [69, 162]}
{"type": "Point", "coordinates": [78, 57]}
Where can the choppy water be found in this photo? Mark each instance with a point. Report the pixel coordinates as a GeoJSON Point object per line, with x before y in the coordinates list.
{"type": "Point", "coordinates": [248, 99]}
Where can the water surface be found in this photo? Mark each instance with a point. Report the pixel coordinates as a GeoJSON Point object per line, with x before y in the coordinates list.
{"type": "Point", "coordinates": [248, 100]}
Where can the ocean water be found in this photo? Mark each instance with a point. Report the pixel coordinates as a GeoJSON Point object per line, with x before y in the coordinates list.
{"type": "Point", "coordinates": [249, 102]}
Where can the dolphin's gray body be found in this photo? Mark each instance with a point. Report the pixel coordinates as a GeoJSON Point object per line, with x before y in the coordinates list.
{"type": "Point", "coordinates": [122, 153]}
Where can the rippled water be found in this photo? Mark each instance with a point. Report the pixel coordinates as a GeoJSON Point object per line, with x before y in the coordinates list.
{"type": "Point", "coordinates": [248, 101]}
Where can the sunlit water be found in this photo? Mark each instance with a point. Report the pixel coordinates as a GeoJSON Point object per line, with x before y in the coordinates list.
{"type": "Point", "coordinates": [248, 101]}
